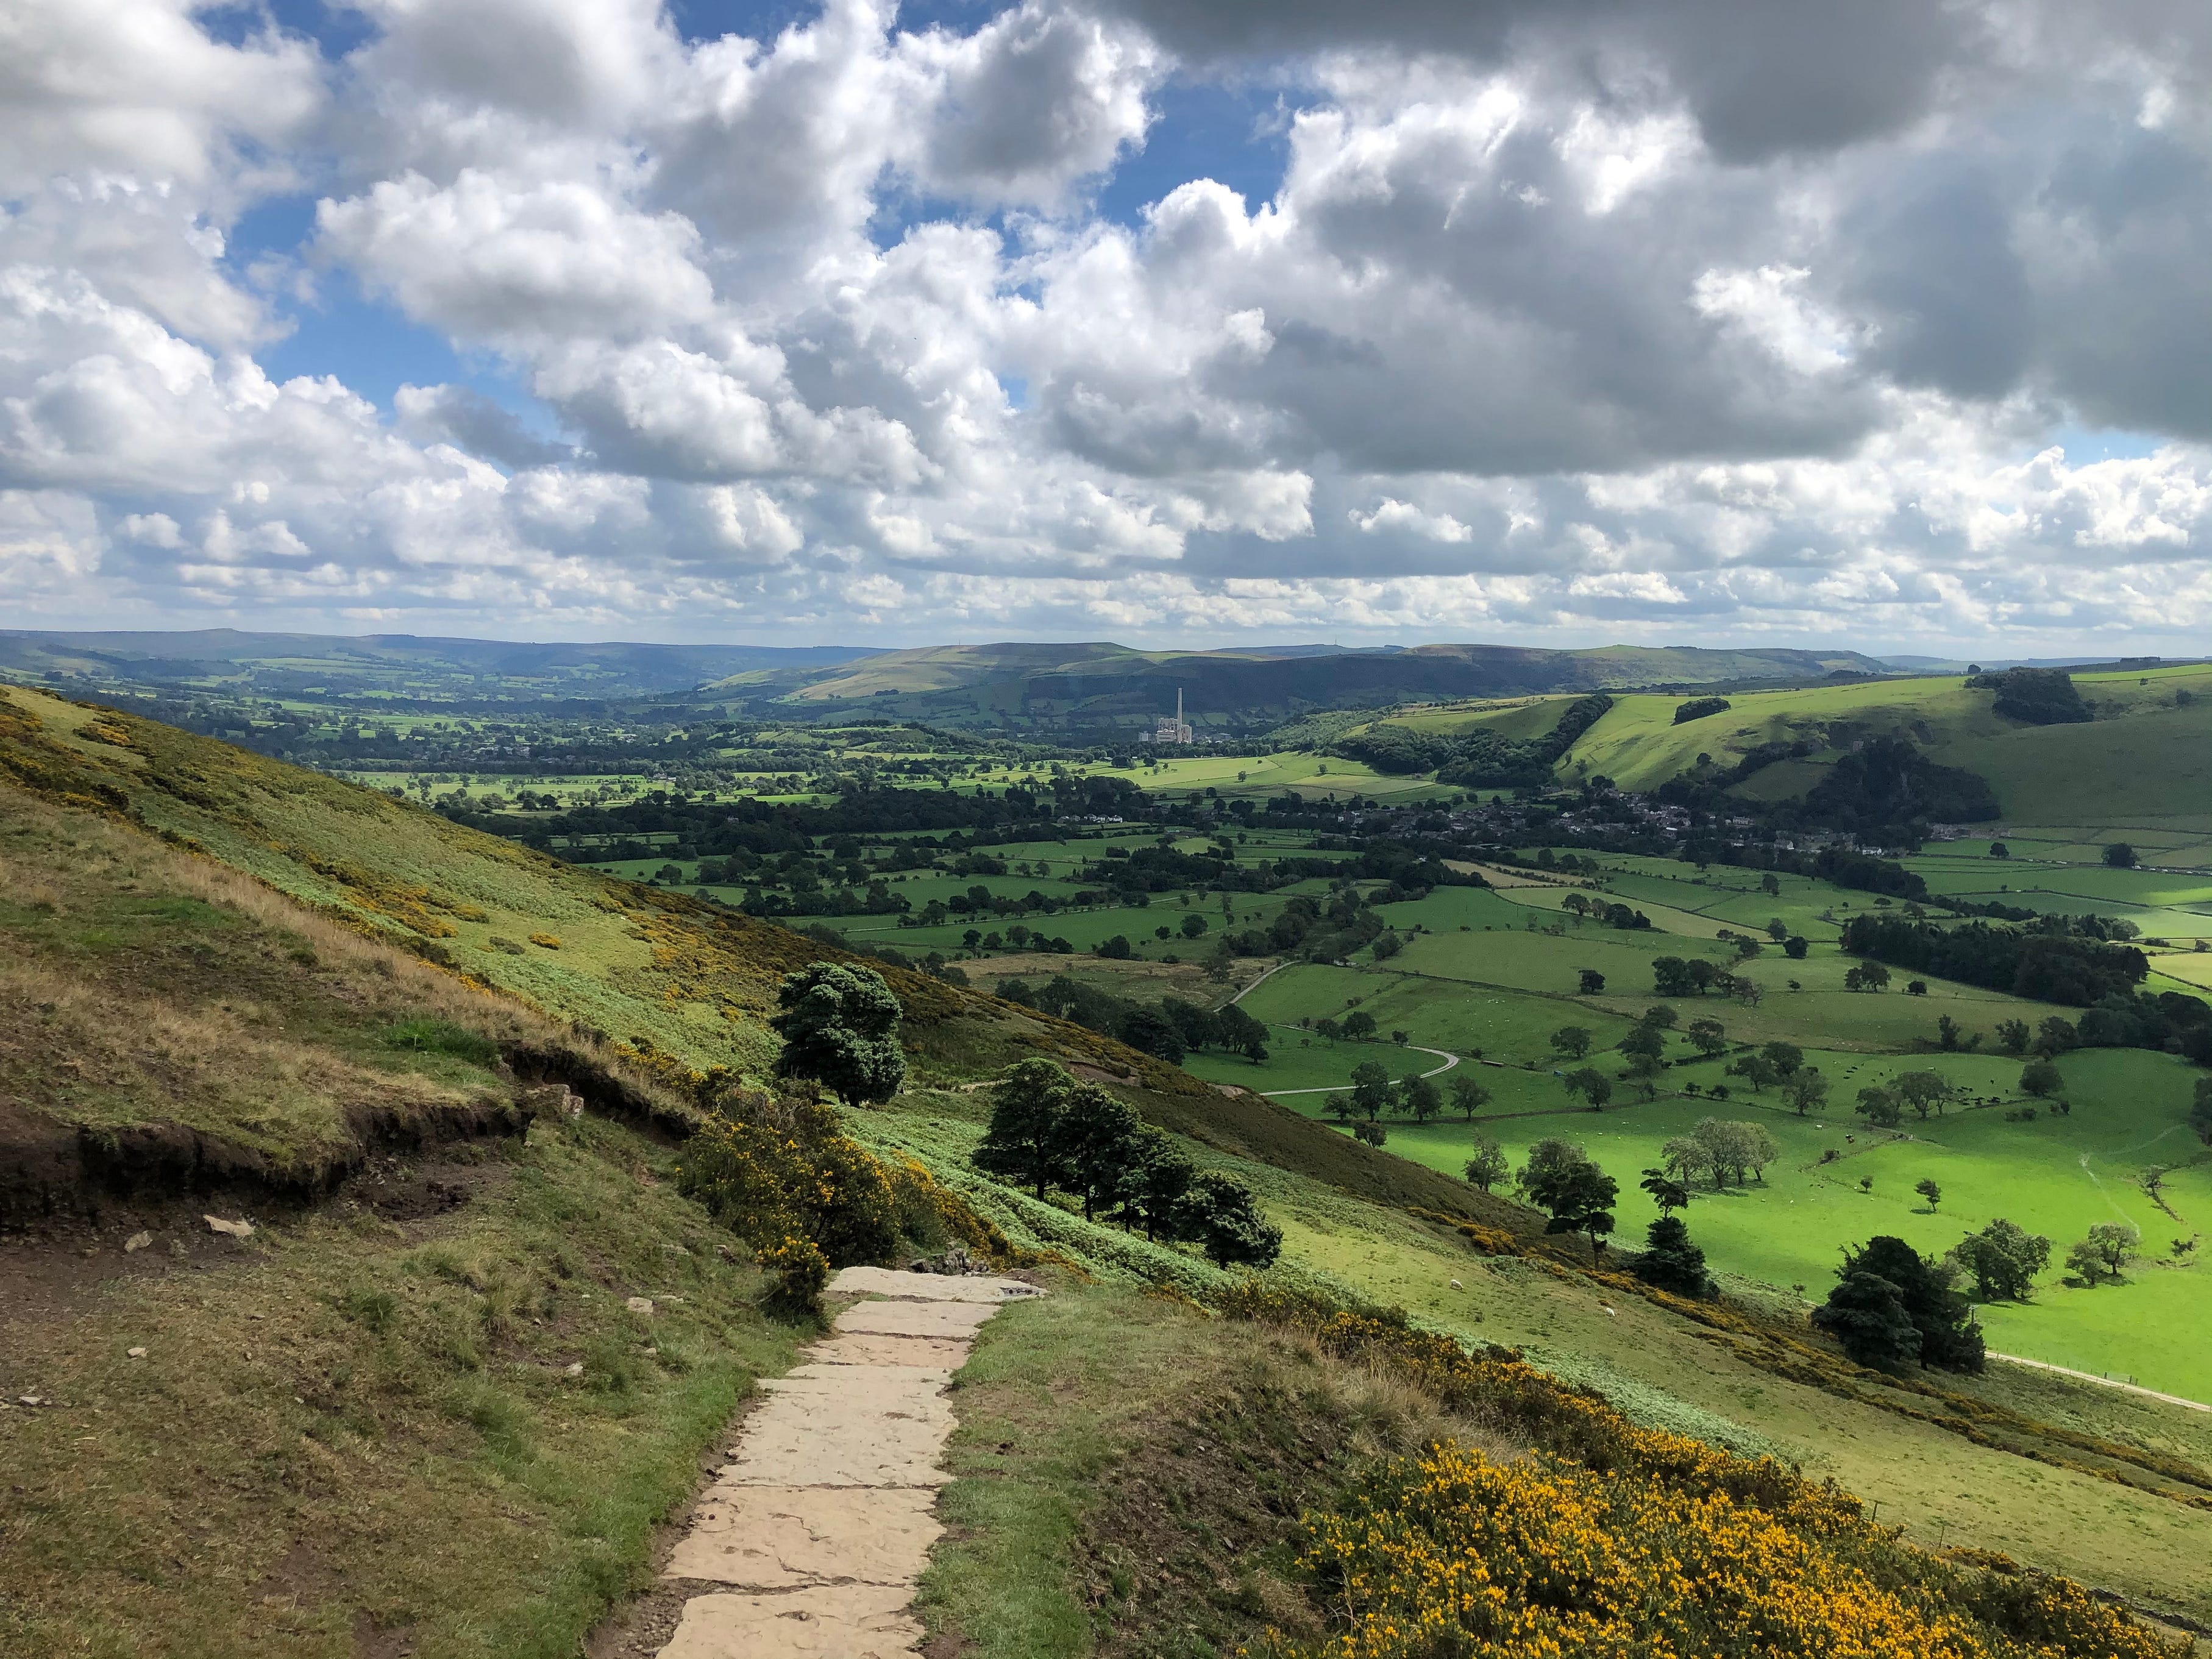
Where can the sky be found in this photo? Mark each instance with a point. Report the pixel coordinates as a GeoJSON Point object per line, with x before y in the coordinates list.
{"type": "Point", "coordinates": [1194, 322]}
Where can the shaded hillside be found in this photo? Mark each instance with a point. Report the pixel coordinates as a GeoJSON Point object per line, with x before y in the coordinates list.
{"type": "Point", "coordinates": [391, 671]}
{"type": "Point", "coordinates": [1094, 686]}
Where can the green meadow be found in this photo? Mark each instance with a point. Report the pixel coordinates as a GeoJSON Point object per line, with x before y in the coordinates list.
{"type": "Point", "coordinates": [1474, 980]}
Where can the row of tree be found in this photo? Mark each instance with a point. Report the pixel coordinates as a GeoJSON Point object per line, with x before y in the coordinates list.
{"type": "Point", "coordinates": [1052, 1132]}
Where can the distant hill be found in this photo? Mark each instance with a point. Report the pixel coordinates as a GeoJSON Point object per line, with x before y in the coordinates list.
{"type": "Point", "coordinates": [1102, 686]}
{"type": "Point", "coordinates": [397, 668]}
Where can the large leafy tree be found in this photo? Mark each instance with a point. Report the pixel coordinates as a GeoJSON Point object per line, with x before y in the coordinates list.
{"type": "Point", "coordinates": [2004, 1258]}
{"type": "Point", "coordinates": [1024, 1143]}
{"type": "Point", "coordinates": [839, 1026]}
{"type": "Point", "coordinates": [1560, 1179]}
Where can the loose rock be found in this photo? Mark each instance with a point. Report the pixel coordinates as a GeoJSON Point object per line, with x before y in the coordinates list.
{"type": "Point", "coordinates": [136, 1243]}
{"type": "Point", "coordinates": [236, 1229]}
{"type": "Point", "coordinates": [640, 1305]}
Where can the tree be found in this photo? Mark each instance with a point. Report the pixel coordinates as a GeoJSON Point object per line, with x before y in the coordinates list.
{"type": "Point", "coordinates": [1572, 1042]}
{"type": "Point", "coordinates": [1646, 1043]}
{"type": "Point", "coordinates": [1022, 1143]}
{"type": "Point", "coordinates": [1370, 1087]}
{"type": "Point", "coordinates": [1999, 850]}
{"type": "Point", "coordinates": [2004, 1258]}
{"type": "Point", "coordinates": [1950, 1338]}
{"type": "Point", "coordinates": [1670, 1262]}
{"type": "Point", "coordinates": [1369, 1134]}
{"type": "Point", "coordinates": [2106, 1252]}
{"type": "Point", "coordinates": [1867, 977]}
{"type": "Point", "coordinates": [1545, 1159]}
{"type": "Point", "coordinates": [1579, 1197]}
{"type": "Point", "coordinates": [1795, 946]}
{"type": "Point", "coordinates": [2200, 1111]}
{"type": "Point", "coordinates": [1419, 1098]}
{"type": "Point", "coordinates": [2120, 856]}
{"type": "Point", "coordinates": [1098, 1135]}
{"type": "Point", "coordinates": [1150, 1031]}
{"type": "Point", "coordinates": [1880, 1107]}
{"type": "Point", "coordinates": [1223, 1218]}
{"type": "Point", "coordinates": [1928, 1189]}
{"type": "Point", "coordinates": [1707, 1037]}
{"type": "Point", "coordinates": [1776, 929]}
{"type": "Point", "coordinates": [2013, 1035]}
{"type": "Point", "coordinates": [1591, 981]}
{"type": "Point", "coordinates": [2041, 1078]}
{"type": "Point", "coordinates": [839, 1027]}
{"type": "Point", "coordinates": [1158, 1178]}
{"type": "Point", "coordinates": [1686, 1157]}
{"type": "Point", "coordinates": [1468, 1096]}
{"type": "Point", "coordinates": [1806, 1087]}
{"type": "Point", "coordinates": [1341, 1107]}
{"type": "Point", "coordinates": [1360, 1026]}
{"type": "Point", "coordinates": [1948, 1034]}
{"type": "Point", "coordinates": [1921, 1090]}
{"type": "Point", "coordinates": [1771, 884]}
{"type": "Point", "coordinates": [1758, 1070]}
{"type": "Point", "coordinates": [1488, 1166]}
{"type": "Point", "coordinates": [1658, 1018]}
{"type": "Point", "coordinates": [1590, 1082]}
{"type": "Point", "coordinates": [1194, 926]}
{"type": "Point", "coordinates": [1669, 1194]}
{"type": "Point", "coordinates": [1865, 1314]}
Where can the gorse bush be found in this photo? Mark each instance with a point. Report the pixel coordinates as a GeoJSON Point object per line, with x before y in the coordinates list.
{"type": "Point", "coordinates": [800, 1272]}
{"type": "Point", "coordinates": [1614, 1539]}
{"type": "Point", "coordinates": [772, 1168]}
{"type": "Point", "coordinates": [1450, 1553]}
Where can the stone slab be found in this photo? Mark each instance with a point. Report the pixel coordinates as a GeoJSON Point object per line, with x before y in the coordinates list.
{"type": "Point", "coordinates": [896, 1390]}
{"type": "Point", "coordinates": [796, 1439]}
{"type": "Point", "coordinates": [935, 1354]}
{"type": "Point", "coordinates": [841, 1621]}
{"type": "Point", "coordinates": [929, 1287]}
{"type": "Point", "coordinates": [786, 1537]}
{"type": "Point", "coordinates": [953, 1319]}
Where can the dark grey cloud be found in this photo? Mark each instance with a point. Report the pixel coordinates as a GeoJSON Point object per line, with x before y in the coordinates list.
{"type": "Point", "coordinates": [1764, 79]}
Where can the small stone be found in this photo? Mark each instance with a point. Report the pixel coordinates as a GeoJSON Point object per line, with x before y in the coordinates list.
{"type": "Point", "coordinates": [234, 1228]}
{"type": "Point", "coordinates": [1457, 1285]}
{"type": "Point", "coordinates": [135, 1353]}
{"type": "Point", "coordinates": [640, 1305]}
{"type": "Point", "coordinates": [30, 1400]}
{"type": "Point", "coordinates": [574, 1368]}
{"type": "Point", "coordinates": [136, 1243]}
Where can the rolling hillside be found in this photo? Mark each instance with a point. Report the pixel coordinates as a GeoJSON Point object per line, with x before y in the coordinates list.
{"type": "Point", "coordinates": [2148, 751]}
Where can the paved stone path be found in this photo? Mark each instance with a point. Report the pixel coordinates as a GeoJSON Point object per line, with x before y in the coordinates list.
{"type": "Point", "coordinates": [820, 1525]}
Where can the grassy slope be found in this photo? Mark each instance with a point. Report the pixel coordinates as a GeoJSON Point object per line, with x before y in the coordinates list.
{"type": "Point", "coordinates": [355, 1432]}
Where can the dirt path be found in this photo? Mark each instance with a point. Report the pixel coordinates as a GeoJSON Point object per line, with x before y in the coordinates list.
{"type": "Point", "coordinates": [809, 1544]}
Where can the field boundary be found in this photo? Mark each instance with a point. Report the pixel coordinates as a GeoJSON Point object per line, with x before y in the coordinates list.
{"type": "Point", "coordinates": [2101, 1381]}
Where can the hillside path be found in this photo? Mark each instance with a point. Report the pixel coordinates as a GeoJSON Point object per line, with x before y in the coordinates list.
{"type": "Point", "coordinates": [810, 1542]}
